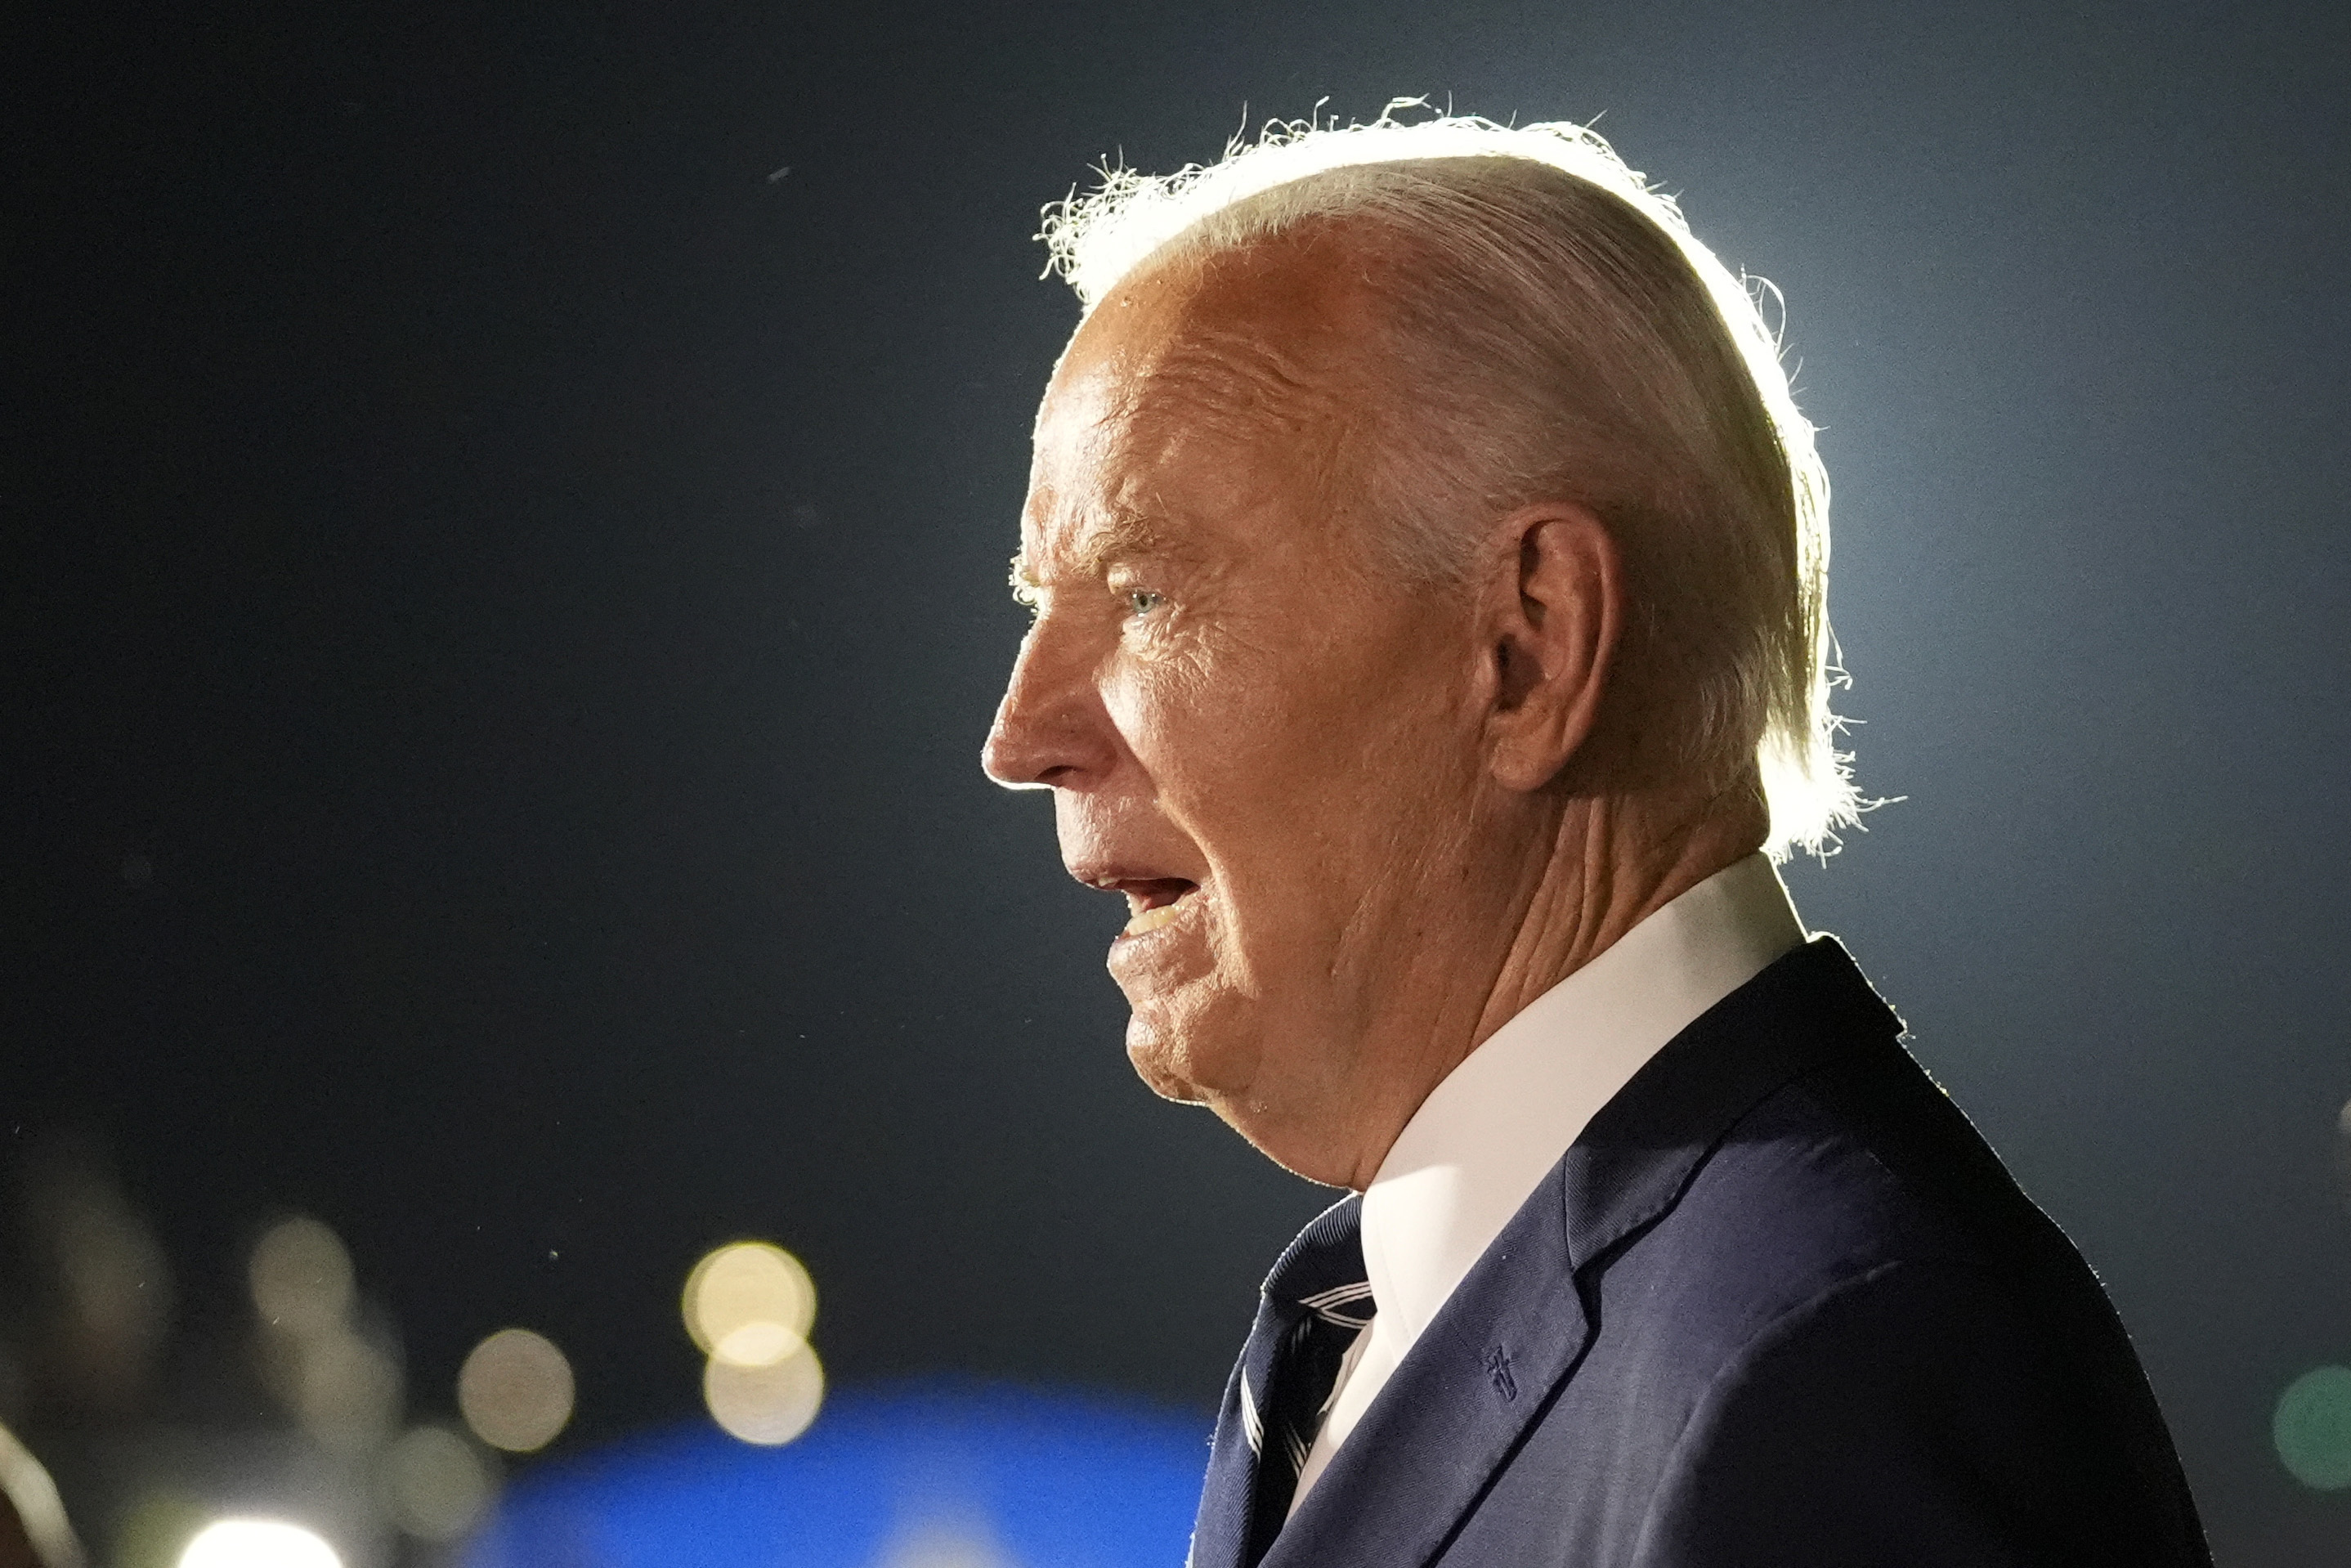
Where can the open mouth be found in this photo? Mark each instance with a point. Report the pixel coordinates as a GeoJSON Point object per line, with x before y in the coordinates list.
{"type": "Point", "coordinates": [1152, 904]}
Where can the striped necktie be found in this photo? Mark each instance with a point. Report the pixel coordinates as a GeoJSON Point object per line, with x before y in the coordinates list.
{"type": "Point", "coordinates": [1314, 1303]}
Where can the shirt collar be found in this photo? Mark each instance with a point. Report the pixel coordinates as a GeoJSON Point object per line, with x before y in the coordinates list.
{"type": "Point", "coordinates": [1475, 1150]}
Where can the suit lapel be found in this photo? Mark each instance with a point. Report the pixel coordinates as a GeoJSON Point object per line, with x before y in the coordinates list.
{"type": "Point", "coordinates": [1512, 1333]}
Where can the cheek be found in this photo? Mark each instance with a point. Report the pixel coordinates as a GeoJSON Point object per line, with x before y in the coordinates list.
{"type": "Point", "coordinates": [1193, 724]}
{"type": "Point", "coordinates": [1300, 738]}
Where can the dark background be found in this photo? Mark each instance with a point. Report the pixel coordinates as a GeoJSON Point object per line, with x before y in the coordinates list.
{"type": "Point", "coordinates": [504, 592]}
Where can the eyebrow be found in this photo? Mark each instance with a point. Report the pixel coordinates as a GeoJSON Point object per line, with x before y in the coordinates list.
{"type": "Point", "coordinates": [1122, 536]}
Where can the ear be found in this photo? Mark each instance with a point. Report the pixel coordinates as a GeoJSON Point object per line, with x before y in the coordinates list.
{"type": "Point", "coordinates": [1552, 617]}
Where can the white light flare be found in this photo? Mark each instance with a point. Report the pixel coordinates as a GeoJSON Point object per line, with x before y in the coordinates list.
{"type": "Point", "coordinates": [257, 1543]}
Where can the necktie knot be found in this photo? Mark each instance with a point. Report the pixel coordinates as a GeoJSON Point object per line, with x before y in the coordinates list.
{"type": "Point", "coordinates": [1347, 1306]}
{"type": "Point", "coordinates": [1323, 1268]}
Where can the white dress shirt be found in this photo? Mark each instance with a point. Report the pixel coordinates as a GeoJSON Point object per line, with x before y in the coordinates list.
{"type": "Point", "coordinates": [1475, 1150]}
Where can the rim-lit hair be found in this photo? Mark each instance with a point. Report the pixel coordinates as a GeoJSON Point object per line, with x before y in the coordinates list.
{"type": "Point", "coordinates": [1560, 334]}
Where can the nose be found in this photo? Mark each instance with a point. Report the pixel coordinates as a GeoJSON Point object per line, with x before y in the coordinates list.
{"type": "Point", "coordinates": [1051, 730]}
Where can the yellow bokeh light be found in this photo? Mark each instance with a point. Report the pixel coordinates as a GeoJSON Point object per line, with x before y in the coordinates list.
{"type": "Point", "coordinates": [751, 1303]}
{"type": "Point", "coordinates": [757, 1344]}
{"type": "Point", "coordinates": [768, 1404]}
{"type": "Point", "coordinates": [514, 1391]}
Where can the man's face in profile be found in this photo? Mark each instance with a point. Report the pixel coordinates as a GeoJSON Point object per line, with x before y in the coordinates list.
{"type": "Point", "coordinates": [1251, 729]}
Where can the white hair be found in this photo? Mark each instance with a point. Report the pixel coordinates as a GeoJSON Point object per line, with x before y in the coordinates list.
{"type": "Point", "coordinates": [1572, 356]}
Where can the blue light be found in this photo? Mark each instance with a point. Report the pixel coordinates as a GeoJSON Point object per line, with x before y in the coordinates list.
{"type": "Point", "coordinates": [1005, 1476]}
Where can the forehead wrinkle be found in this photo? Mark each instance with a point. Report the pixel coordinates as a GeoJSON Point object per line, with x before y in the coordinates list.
{"type": "Point", "coordinates": [1236, 384]}
{"type": "Point", "coordinates": [1247, 360]}
{"type": "Point", "coordinates": [1290, 422]}
{"type": "Point", "coordinates": [1115, 509]}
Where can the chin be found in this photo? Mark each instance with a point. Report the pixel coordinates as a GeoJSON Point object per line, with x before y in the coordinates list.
{"type": "Point", "coordinates": [1159, 1062]}
{"type": "Point", "coordinates": [1183, 1061]}
{"type": "Point", "coordinates": [1170, 1063]}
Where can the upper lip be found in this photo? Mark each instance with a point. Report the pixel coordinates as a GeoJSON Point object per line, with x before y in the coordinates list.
{"type": "Point", "coordinates": [1146, 887]}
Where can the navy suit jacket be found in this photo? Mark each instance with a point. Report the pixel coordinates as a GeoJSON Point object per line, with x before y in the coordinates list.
{"type": "Point", "coordinates": [1778, 1305]}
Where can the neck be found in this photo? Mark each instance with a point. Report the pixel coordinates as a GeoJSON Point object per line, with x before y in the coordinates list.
{"type": "Point", "coordinates": [1583, 875]}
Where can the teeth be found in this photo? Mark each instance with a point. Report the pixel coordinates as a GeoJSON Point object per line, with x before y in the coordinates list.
{"type": "Point", "coordinates": [1152, 919]}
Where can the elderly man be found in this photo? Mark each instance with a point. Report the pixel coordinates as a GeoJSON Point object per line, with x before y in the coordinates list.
{"type": "Point", "coordinates": [1428, 569]}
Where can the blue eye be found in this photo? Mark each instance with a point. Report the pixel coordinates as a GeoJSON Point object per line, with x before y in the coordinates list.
{"type": "Point", "coordinates": [1143, 602]}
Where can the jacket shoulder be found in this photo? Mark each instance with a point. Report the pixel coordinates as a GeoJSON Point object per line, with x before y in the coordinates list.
{"type": "Point", "coordinates": [1842, 1171]}
{"type": "Point", "coordinates": [1853, 1313]}
{"type": "Point", "coordinates": [1912, 1414]}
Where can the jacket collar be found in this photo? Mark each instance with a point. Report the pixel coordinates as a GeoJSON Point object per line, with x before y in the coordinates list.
{"type": "Point", "coordinates": [1642, 1150]}
{"type": "Point", "coordinates": [1515, 1329]}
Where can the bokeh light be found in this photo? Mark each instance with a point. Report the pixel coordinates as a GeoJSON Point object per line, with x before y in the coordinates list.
{"type": "Point", "coordinates": [766, 1405]}
{"type": "Point", "coordinates": [257, 1543]}
{"type": "Point", "coordinates": [344, 1391]}
{"type": "Point", "coordinates": [436, 1484]}
{"type": "Point", "coordinates": [339, 1378]}
{"type": "Point", "coordinates": [750, 1302]}
{"type": "Point", "coordinates": [25, 1484]}
{"type": "Point", "coordinates": [109, 1297]}
{"type": "Point", "coordinates": [2312, 1429]}
{"type": "Point", "coordinates": [514, 1391]}
{"type": "Point", "coordinates": [301, 1278]}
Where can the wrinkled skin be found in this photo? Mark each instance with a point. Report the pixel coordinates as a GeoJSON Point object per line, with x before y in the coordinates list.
{"type": "Point", "coordinates": [1360, 822]}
